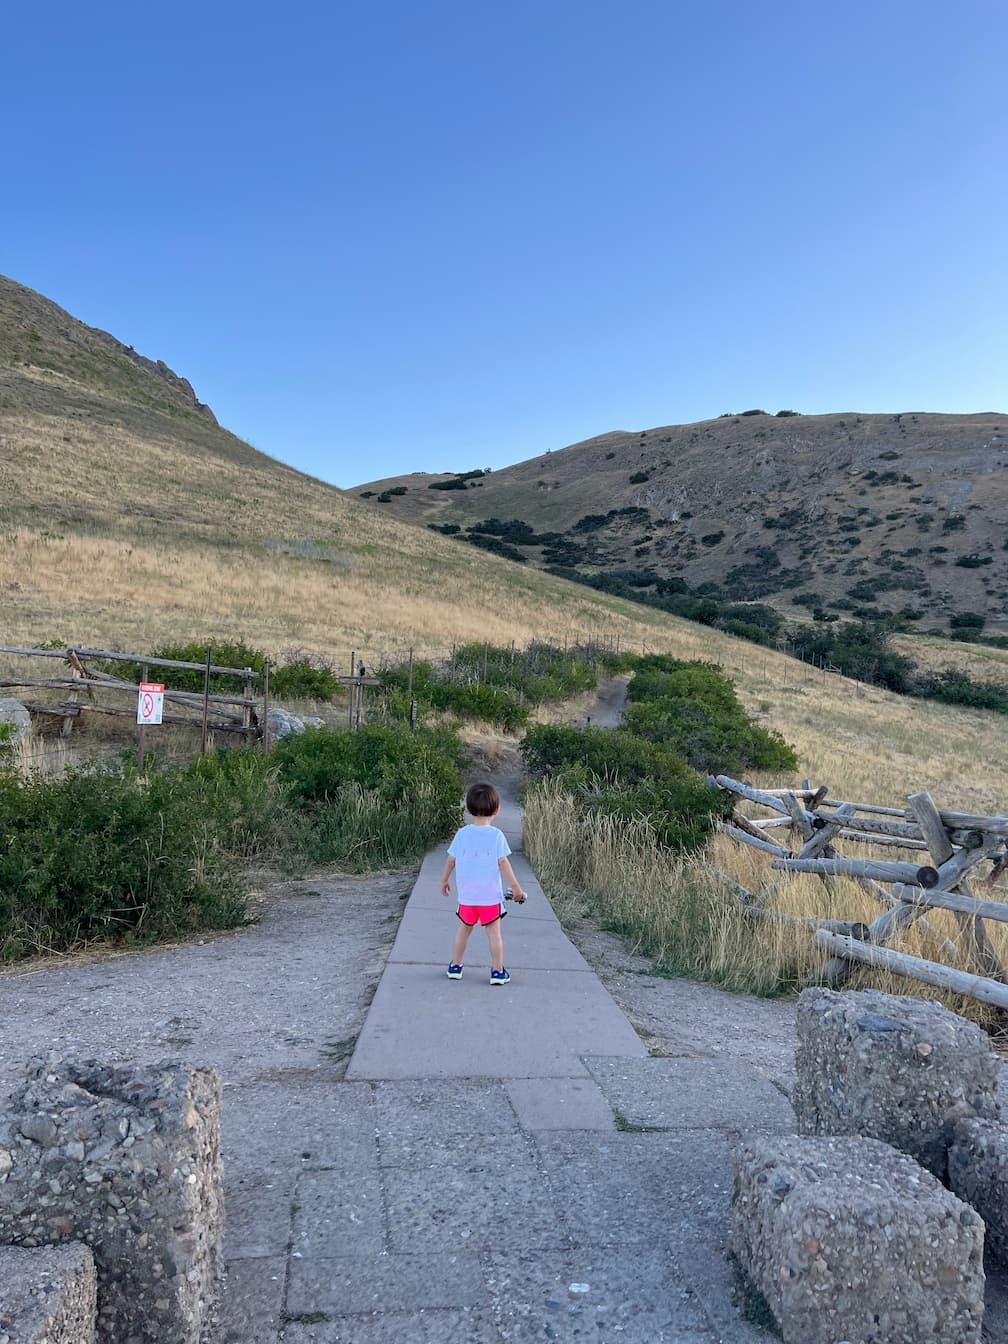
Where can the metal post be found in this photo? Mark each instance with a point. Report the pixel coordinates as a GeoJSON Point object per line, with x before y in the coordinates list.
{"type": "Point", "coordinates": [409, 688]}
{"type": "Point", "coordinates": [206, 702]}
{"type": "Point", "coordinates": [350, 688]}
{"type": "Point", "coordinates": [142, 728]}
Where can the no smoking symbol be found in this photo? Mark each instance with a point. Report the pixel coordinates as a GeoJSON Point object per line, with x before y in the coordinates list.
{"type": "Point", "coordinates": [147, 705]}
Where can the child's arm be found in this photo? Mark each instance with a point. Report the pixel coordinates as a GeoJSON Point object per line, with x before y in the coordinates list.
{"type": "Point", "coordinates": [449, 868]}
{"type": "Point", "coordinates": [507, 873]}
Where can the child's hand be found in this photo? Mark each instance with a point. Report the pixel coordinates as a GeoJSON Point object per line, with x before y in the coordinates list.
{"type": "Point", "coordinates": [446, 887]}
{"type": "Point", "coordinates": [519, 896]}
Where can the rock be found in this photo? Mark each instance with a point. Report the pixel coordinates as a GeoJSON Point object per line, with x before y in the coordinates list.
{"type": "Point", "coordinates": [126, 1160]}
{"type": "Point", "coordinates": [848, 1239]}
{"type": "Point", "coordinates": [282, 723]}
{"type": "Point", "coordinates": [978, 1173]}
{"type": "Point", "coordinates": [49, 1295]}
{"type": "Point", "coordinates": [15, 719]}
{"type": "Point", "coordinates": [890, 1067]}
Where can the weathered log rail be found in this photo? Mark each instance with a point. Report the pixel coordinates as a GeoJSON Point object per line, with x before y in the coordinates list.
{"type": "Point", "coordinates": [239, 713]}
{"type": "Point", "coordinates": [957, 844]}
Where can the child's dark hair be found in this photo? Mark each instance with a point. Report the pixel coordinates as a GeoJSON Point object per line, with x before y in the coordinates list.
{"type": "Point", "coordinates": [482, 800]}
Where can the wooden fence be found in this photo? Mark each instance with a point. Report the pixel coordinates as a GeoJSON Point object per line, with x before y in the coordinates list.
{"type": "Point", "coordinates": [948, 851]}
{"type": "Point", "coordinates": [236, 713]}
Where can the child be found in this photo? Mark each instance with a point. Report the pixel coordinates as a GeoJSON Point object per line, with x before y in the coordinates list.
{"type": "Point", "coordinates": [478, 857]}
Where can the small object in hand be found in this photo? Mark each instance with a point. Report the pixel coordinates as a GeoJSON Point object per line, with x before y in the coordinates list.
{"type": "Point", "coordinates": [509, 895]}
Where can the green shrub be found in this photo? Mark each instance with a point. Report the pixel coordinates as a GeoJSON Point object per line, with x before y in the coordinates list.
{"type": "Point", "coordinates": [617, 773]}
{"type": "Point", "coordinates": [379, 796]}
{"type": "Point", "coordinates": [104, 854]}
{"type": "Point", "coordinates": [639, 477]}
{"type": "Point", "coordinates": [692, 707]}
{"type": "Point", "coordinates": [953, 687]}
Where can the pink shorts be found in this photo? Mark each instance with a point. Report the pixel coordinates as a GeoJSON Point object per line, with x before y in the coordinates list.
{"type": "Point", "coordinates": [471, 915]}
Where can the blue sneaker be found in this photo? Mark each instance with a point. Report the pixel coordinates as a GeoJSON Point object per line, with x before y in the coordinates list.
{"type": "Point", "coordinates": [454, 971]}
{"type": "Point", "coordinates": [500, 977]}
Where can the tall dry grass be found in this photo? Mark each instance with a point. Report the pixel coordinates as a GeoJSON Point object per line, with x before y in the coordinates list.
{"type": "Point", "coordinates": [674, 910]}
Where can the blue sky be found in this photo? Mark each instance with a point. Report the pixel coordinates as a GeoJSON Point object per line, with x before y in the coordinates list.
{"type": "Point", "coordinates": [439, 235]}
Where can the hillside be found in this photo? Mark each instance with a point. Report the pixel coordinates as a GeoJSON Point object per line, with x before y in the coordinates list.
{"type": "Point", "coordinates": [847, 512]}
{"type": "Point", "coordinates": [130, 517]}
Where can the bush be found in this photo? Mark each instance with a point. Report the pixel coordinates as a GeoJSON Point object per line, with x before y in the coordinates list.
{"type": "Point", "coordinates": [513, 681]}
{"type": "Point", "coordinates": [108, 854]}
{"type": "Point", "coordinates": [297, 680]}
{"type": "Point", "coordinates": [379, 796]}
{"type": "Point", "coordinates": [692, 708]}
{"type": "Point", "coordinates": [639, 477]}
{"type": "Point", "coordinates": [967, 620]}
{"type": "Point", "coordinates": [952, 687]}
{"type": "Point", "coordinates": [615, 773]}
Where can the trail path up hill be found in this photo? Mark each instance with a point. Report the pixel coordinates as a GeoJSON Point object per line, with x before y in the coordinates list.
{"type": "Point", "coordinates": [454, 1161]}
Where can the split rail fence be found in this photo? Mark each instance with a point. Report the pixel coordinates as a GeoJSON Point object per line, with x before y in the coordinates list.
{"type": "Point", "coordinates": [949, 851]}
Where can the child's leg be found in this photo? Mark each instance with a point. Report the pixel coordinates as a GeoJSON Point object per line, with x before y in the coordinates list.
{"type": "Point", "coordinates": [461, 942]}
{"type": "Point", "coordinates": [496, 940]}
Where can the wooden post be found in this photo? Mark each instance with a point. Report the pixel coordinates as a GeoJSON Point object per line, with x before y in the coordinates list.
{"type": "Point", "coordinates": [266, 689]}
{"type": "Point", "coordinates": [350, 689]}
{"type": "Point", "coordinates": [77, 672]}
{"type": "Point", "coordinates": [247, 709]}
{"type": "Point", "coordinates": [951, 866]}
{"type": "Point", "coordinates": [916, 968]}
{"type": "Point", "coordinates": [141, 728]}
{"type": "Point", "coordinates": [206, 702]}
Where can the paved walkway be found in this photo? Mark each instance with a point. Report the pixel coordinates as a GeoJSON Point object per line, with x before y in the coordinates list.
{"type": "Point", "coordinates": [499, 1163]}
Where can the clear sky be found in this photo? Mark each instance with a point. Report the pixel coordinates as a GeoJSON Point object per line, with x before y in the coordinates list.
{"type": "Point", "coordinates": [444, 234]}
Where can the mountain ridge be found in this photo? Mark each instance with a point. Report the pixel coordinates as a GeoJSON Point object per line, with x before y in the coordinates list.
{"type": "Point", "coordinates": [912, 505]}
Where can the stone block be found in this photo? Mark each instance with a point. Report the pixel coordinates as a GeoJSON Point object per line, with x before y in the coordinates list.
{"type": "Point", "coordinates": [48, 1295]}
{"type": "Point", "coordinates": [978, 1173]}
{"type": "Point", "coordinates": [851, 1242]}
{"type": "Point", "coordinates": [894, 1068]}
{"type": "Point", "coordinates": [125, 1159]}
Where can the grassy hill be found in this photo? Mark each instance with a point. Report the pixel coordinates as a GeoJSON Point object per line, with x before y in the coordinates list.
{"type": "Point", "coordinates": [131, 518]}
{"type": "Point", "coordinates": [128, 516]}
{"type": "Point", "coordinates": [843, 511]}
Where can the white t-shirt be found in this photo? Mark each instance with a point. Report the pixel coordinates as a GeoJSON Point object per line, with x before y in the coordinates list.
{"type": "Point", "coordinates": [477, 851]}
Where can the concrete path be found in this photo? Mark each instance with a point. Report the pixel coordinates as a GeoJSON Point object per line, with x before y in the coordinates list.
{"type": "Point", "coordinates": [508, 1163]}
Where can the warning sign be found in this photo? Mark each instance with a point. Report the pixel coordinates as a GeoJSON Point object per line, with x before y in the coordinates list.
{"type": "Point", "coordinates": [150, 703]}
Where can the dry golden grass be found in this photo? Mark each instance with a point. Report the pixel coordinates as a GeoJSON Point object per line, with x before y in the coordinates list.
{"type": "Point", "coordinates": [981, 662]}
{"type": "Point", "coordinates": [678, 913]}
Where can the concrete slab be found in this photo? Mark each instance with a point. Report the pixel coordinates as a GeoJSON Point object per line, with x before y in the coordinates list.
{"type": "Point", "coordinates": [414, 1118]}
{"type": "Point", "coordinates": [423, 1025]}
{"type": "Point", "coordinates": [308, 1122]}
{"type": "Point", "coordinates": [637, 1188]}
{"type": "Point", "coordinates": [593, 1294]}
{"type": "Point", "coordinates": [258, 1215]}
{"type": "Point", "coordinates": [481, 1205]}
{"type": "Point", "coordinates": [250, 1307]}
{"type": "Point", "coordinates": [404, 1281]}
{"type": "Point", "coordinates": [338, 1213]}
{"type": "Point", "coordinates": [691, 1094]}
{"type": "Point", "coordinates": [421, 1327]}
{"type": "Point", "coordinates": [560, 1103]}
